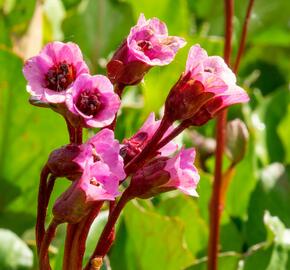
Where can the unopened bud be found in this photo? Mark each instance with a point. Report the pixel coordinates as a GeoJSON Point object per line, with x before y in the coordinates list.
{"type": "Point", "coordinates": [121, 70]}
{"type": "Point", "coordinates": [150, 180]}
{"type": "Point", "coordinates": [61, 164]}
{"type": "Point", "coordinates": [237, 140]}
{"type": "Point", "coordinates": [186, 99]}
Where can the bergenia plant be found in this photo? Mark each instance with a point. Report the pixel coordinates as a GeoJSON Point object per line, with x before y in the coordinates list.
{"type": "Point", "coordinates": [104, 170]}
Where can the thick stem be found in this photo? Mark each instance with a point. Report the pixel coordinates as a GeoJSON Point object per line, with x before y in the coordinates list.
{"type": "Point", "coordinates": [243, 35]}
{"type": "Point", "coordinates": [71, 131]}
{"type": "Point", "coordinates": [185, 124]}
{"type": "Point", "coordinates": [215, 202]}
{"type": "Point", "coordinates": [78, 135]}
{"type": "Point", "coordinates": [105, 241]}
{"type": "Point", "coordinates": [119, 88]}
{"type": "Point", "coordinates": [50, 185]}
{"type": "Point", "coordinates": [41, 207]}
{"type": "Point", "coordinates": [70, 233]}
{"type": "Point", "coordinates": [43, 255]}
{"type": "Point", "coordinates": [140, 159]}
{"type": "Point", "coordinates": [81, 232]}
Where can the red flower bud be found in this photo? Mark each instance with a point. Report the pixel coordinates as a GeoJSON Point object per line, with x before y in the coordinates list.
{"type": "Point", "coordinates": [61, 164]}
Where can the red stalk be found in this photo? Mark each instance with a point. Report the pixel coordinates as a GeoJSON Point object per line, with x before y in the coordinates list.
{"type": "Point", "coordinates": [105, 240]}
{"type": "Point", "coordinates": [215, 202]}
{"type": "Point", "coordinates": [41, 207]}
{"type": "Point", "coordinates": [243, 36]}
{"type": "Point", "coordinates": [43, 255]}
{"type": "Point", "coordinates": [81, 232]}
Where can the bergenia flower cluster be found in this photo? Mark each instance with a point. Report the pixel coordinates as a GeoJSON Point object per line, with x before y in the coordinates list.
{"type": "Point", "coordinates": [149, 162]}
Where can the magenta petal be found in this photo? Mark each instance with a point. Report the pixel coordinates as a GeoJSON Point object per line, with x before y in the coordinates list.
{"type": "Point", "coordinates": [51, 73]}
{"type": "Point", "coordinates": [196, 56]}
{"type": "Point", "coordinates": [183, 174]}
{"type": "Point", "coordinates": [95, 92]}
{"type": "Point", "coordinates": [217, 66]}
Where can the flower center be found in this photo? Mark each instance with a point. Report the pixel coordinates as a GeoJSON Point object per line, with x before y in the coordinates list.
{"type": "Point", "coordinates": [209, 69]}
{"type": "Point", "coordinates": [60, 76]}
{"type": "Point", "coordinates": [89, 102]}
{"type": "Point", "coordinates": [95, 182]}
{"type": "Point", "coordinates": [144, 45]}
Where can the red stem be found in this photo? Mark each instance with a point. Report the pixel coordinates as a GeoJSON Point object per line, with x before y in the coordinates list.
{"type": "Point", "coordinates": [81, 232]}
{"type": "Point", "coordinates": [49, 188]}
{"type": "Point", "coordinates": [70, 233]}
{"type": "Point", "coordinates": [79, 135]}
{"type": "Point", "coordinates": [243, 35]}
{"type": "Point", "coordinates": [41, 207]}
{"type": "Point", "coordinates": [173, 134]}
{"type": "Point", "coordinates": [43, 255]}
{"type": "Point", "coordinates": [105, 241]}
{"type": "Point", "coordinates": [71, 131]}
{"type": "Point", "coordinates": [215, 202]}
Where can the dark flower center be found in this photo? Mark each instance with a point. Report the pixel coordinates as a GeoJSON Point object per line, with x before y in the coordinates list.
{"type": "Point", "coordinates": [144, 45]}
{"type": "Point", "coordinates": [60, 76]}
{"type": "Point", "coordinates": [89, 102]}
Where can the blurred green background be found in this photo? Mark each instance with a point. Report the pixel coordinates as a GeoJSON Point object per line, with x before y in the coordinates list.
{"type": "Point", "coordinates": [171, 231]}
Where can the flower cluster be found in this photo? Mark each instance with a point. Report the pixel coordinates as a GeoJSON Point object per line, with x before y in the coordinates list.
{"type": "Point", "coordinates": [59, 78]}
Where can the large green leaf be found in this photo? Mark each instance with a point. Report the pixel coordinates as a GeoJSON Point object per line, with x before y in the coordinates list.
{"type": "Point", "coordinates": [226, 261]}
{"type": "Point", "coordinates": [274, 253]}
{"type": "Point", "coordinates": [151, 241]}
{"type": "Point", "coordinates": [27, 136]}
{"type": "Point", "coordinates": [284, 134]}
{"type": "Point", "coordinates": [185, 208]}
{"type": "Point", "coordinates": [95, 26]}
{"type": "Point", "coordinates": [272, 193]}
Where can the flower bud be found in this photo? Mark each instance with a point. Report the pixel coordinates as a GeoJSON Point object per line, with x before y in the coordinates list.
{"type": "Point", "coordinates": [146, 46]}
{"type": "Point", "coordinates": [237, 140]}
{"type": "Point", "coordinates": [150, 180]}
{"type": "Point", "coordinates": [97, 183]}
{"type": "Point", "coordinates": [164, 174]}
{"type": "Point", "coordinates": [206, 87]}
{"type": "Point", "coordinates": [134, 145]}
{"type": "Point", "coordinates": [61, 162]}
{"type": "Point", "coordinates": [185, 99]}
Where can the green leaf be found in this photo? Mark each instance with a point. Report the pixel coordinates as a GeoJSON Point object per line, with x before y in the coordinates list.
{"type": "Point", "coordinates": [227, 261]}
{"type": "Point", "coordinates": [152, 241]}
{"type": "Point", "coordinates": [14, 253]}
{"type": "Point", "coordinates": [196, 228]}
{"type": "Point", "coordinates": [284, 134]}
{"type": "Point", "coordinates": [177, 21]}
{"type": "Point", "coordinates": [95, 26]}
{"type": "Point", "coordinates": [242, 184]}
{"type": "Point", "coordinates": [27, 136]}
{"type": "Point", "coordinates": [273, 254]}
{"type": "Point", "coordinates": [19, 16]}
{"type": "Point", "coordinates": [271, 193]}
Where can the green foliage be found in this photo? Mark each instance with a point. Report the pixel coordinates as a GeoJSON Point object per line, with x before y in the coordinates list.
{"type": "Point", "coordinates": [171, 231]}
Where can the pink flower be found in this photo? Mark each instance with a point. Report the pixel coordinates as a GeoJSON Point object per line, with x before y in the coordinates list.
{"type": "Point", "coordinates": [97, 183]}
{"type": "Point", "coordinates": [207, 86]}
{"type": "Point", "coordinates": [53, 71]}
{"type": "Point", "coordinates": [104, 148]}
{"type": "Point", "coordinates": [135, 144]}
{"type": "Point", "coordinates": [92, 101]}
{"type": "Point", "coordinates": [165, 174]}
{"type": "Point", "coordinates": [183, 174]}
{"type": "Point", "coordinates": [147, 45]}
{"type": "Point", "coordinates": [70, 160]}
